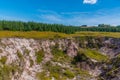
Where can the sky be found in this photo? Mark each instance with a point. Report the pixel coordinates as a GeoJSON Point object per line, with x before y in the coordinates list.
{"type": "Point", "coordinates": [67, 12]}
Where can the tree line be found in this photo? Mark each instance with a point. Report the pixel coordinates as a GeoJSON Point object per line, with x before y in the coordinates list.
{"type": "Point", "coordinates": [34, 26]}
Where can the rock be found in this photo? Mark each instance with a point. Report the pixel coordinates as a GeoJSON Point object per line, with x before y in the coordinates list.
{"type": "Point", "coordinates": [21, 52]}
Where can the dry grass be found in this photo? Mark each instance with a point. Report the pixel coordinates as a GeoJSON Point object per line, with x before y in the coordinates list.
{"type": "Point", "coordinates": [35, 34]}
{"type": "Point", "coordinates": [30, 34]}
{"type": "Point", "coordinates": [98, 34]}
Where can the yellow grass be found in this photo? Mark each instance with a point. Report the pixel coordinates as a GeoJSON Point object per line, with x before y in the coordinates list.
{"type": "Point", "coordinates": [98, 34]}
{"type": "Point", "coordinates": [35, 34]}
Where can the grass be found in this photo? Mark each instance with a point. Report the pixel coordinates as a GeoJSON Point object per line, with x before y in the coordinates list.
{"type": "Point", "coordinates": [35, 34]}
{"type": "Point", "coordinates": [30, 34]}
{"type": "Point", "coordinates": [6, 71]}
{"type": "Point", "coordinates": [82, 73]}
{"type": "Point", "coordinates": [39, 56]}
{"type": "Point", "coordinates": [93, 54]}
{"type": "Point", "coordinates": [42, 76]}
{"type": "Point", "coordinates": [69, 74]}
{"type": "Point", "coordinates": [98, 34]}
{"type": "Point", "coordinates": [20, 56]}
{"type": "Point", "coordinates": [58, 72]}
{"type": "Point", "coordinates": [59, 55]}
{"type": "Point", "coordinates": [3, 59]}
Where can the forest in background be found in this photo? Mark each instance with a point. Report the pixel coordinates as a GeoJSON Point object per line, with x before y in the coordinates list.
{"type": "Point", "coordinates": [34, 26]}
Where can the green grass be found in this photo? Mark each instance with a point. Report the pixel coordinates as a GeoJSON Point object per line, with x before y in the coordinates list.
{"type": "Point", "coordinates": [93, 54]}
{"type": "Point", "coordinates": [83, 73]}
{"type": "Point", "coordinates": [39, 56]}
{"type": "Point", "coordinates": [35, 34]}
{"type": "Point", "coordinates": [69, 74]}
{"type": "Point", "coordinates": [59, 55]}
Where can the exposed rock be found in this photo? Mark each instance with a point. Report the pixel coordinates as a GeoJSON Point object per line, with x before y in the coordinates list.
{"type": "Point", "coordinates": [22, 53]}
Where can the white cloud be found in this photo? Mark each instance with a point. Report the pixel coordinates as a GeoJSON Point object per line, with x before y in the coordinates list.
{"type": "Point", "coordinates": [80, 18]}
{"type": "Point", "coordinates": [89, 1]}
{"type": "Point", "coordinates": [50, 17]}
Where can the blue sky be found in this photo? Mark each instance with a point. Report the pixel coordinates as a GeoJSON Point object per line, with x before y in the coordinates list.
{"type": "Point", "coordinates": [68, 12]}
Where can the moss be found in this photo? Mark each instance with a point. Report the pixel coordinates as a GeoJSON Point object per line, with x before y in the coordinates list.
{"type": "Point", "coordinates": [39, 56]}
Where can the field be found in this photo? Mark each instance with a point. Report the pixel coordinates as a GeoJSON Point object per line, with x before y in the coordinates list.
{"type": "Point", "coordinates": [35, 34]}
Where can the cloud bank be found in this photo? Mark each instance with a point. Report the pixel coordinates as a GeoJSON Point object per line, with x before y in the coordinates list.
{"type": "Point", "coordinates": [89, 1]}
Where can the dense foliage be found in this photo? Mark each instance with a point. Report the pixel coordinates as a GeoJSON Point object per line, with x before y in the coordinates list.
{"type": "Point", "coordinates": [33, 26]}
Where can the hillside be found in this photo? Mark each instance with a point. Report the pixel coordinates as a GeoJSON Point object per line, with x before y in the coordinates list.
{"type": "Point", "coordinates": [73, 58]}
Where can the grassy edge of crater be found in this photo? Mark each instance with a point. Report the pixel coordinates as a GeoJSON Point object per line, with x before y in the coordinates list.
{"type": "Point", "coordinates": [54, 35]}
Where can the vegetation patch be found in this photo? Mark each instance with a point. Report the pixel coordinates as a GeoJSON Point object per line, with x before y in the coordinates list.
{"type": "Point", "coordinates": [20, 56]}
{"type": "Point", "coordinates": [39, 56]}
{"type": "Point", "coordinates": [3, 59]}
{"type": "Point", "coordinates": [6, 71]}
{"type": "Point", "coordinates": [59, 55]}
{"type": "Point", "coordinates": [26, 51]}
{"type": "Point", "coordinates": [93, 54]}
{"type": "Point", "coordinates": [53, 35]}
{"type": "Point", "coordinates": [55, 71]}
{"type": "Point", "coordinates": [69, 74]}
{"type": "Point", "coordinates": [31, 62]}
{"type": "Point", "coordinates": [42, 76]}
{"type": "Point", "coordinates": [81, 72]}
